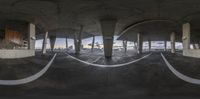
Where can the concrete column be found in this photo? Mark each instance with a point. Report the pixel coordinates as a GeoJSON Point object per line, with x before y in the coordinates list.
{"type": "Point", "coordinates": [78, 41]}
{"type": "Point", "coordinates": [31, 36]}
{"type": "Point", "coordinates": [172, 38]}
{"type": "Point", "coordinates": [135, 45]}
{"type": "Point", "coordinates": [186, 36]}
{"type": "Point", "coordinates": [140, 42]}
{"type": "Point", "coordinates": [196, 46]}
{"type": "Point", "coordinates": [125, 45]}
{"type": "Point", "coordinates": [44, 45]}
{"type": "Point", "coordinates": [93, 41]}
{"type": "Point", "coordinates": [108, 29]}
{"type": "Point", "coordinates": [165, 45]}
{"type": "Point", "coordinates": [52, 42]}
{"type": "Point", "coordinates": [66, 43]}
{"type": "Point", "coordinates": [149, 41]}
{"type": "Point", "coordinates": [75, 43]}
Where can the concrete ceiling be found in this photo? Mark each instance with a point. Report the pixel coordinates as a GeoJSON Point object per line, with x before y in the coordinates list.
{"type": "Point", "coordinates": [65, 17]}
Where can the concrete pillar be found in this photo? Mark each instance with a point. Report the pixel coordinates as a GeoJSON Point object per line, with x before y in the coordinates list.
{"type": "Point", "coordinates": [44, 45]}
{"type": "Point", "coordinates": [172, 38]}
{"type": "Point", "coordinates": [66, 43]}
{"type": "Point", "coordinates": [196, 46]}
{"type": "Point", "coordinates": [193, 45]}
{"type": "Point", "coordinates": [93, 41]}
{"type": "Point", "coordinates": [165, 45]}
{"type": "Point", "coordinates": [108, 29]}
{"type": "Point", "coordinates": [75, 43]}
{"type": "Point", "coordinates": [186, 36]}
{"type": "Point", "coordinates": [125, 45]}
{"type": "Point", "coordinates": [140, 42]}
{"type": "Point", "coordinates": [135, 45]}
{"type": "Point", "coordinates": [78, 41]}
{"type": "Point", "coordinates": [149, 41]}
{"type": "Point", "coordinates": [52, 42]}
{"type": "Point", "coordinates": [31, 36]}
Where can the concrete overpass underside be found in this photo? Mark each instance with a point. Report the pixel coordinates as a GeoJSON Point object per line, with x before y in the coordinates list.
{"type": "Point", "coordinates": [102, 73]}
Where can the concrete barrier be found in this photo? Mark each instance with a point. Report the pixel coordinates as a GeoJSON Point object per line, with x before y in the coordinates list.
{"type": "Point", "coordinates": [192, 53]}
{"type": "Point", "coordinates": [12, 54]}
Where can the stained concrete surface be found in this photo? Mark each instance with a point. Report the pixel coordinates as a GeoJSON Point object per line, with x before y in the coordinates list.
{"type": "Point", "coordinates": [119, 57]}
{"type": "Point", "coordinates": [22, 67]}
{"type": "Point", "coordinates": [186, 65]}
{"type": "Point", "coordinates": [147, 79]}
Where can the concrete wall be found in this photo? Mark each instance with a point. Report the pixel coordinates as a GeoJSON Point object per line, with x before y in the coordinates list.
{"type": "Point", "coordinates": [192, 53]}
{"type": "Point", "coordinates": [11, 54]}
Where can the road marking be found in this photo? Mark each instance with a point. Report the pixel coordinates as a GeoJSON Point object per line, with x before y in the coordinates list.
{"type": "Point", "coordinates": [97, 59]}
{"type": "Point", "coordinates": [30, 78]}
{"type": "Point", "coordinates": [99, 65]}
{"type": "Point", "coordinates": [180, 75]}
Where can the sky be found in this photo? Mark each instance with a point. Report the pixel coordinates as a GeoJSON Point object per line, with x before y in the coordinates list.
{"type": "Point", "coordinates": [61, 43]}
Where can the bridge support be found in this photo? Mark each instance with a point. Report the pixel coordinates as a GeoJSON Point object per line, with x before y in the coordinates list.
{"type": "Point", "coordinates": [31, 36]}
{"type": "Point", "coordinates": [66, 41]}
{"type": "Point", "coordinates": [44, 45]}
{"type": "Point", "coordinates": [165, 45]}
{"type": "Point", "coordinates": [140, 42]}
{"type": "Point", "coordinates": [78, 41]}
{"type": "Point", "coordinates": [172, 38]}
{"type": "Point", "coordinates": [93, 41]}
{"type": "Point", "coordinates": [186, 36]}
{"type": "Point", "coordinates": [52, 42]}
{"type": "Point", "coordinates": [196, 46]}
{"type": "Point", "coordinates": [149, 42]}
{"type": "Point", "coordinates": [125, 45]}
{"type": "Point", "coordinates": [108, 29]}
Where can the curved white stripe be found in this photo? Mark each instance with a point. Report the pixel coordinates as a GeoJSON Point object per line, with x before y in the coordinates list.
{"type": "Point", "coordinates": [117, 65]}
{"type": "Point", "coordinates": [97, 59]}
{"type": "Point", "coordinates": [28, 79]}
{"type": "Point", "coordinates": [180, 75]}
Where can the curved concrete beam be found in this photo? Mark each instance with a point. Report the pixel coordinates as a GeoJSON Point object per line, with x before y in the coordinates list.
{"type": "Point", "coordinates": [117, 65]}
{"type": "Point", "coordinates": [180, 75]}
{"type": "Point", "coordinates": [143, 22]}
{"type": "Point", "coordinates": [28, 79]}
{"type": "Point", "coordinates": [188, 17]}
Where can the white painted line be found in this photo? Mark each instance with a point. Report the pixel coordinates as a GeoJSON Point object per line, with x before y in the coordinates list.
{"type": "Point", "coordinates": [30, 78]}
{"type": "Point", "coordinates": [180, 75]}
{"type": "Point", "coordinates": [99, 65]}
{"type": "Point", "coordinates": [97, 59]}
